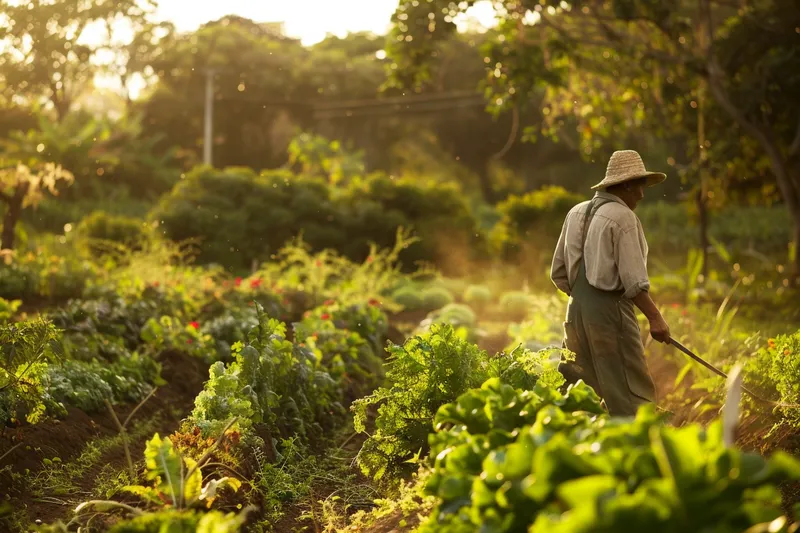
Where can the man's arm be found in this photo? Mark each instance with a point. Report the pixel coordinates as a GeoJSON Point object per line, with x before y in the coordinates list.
{"type": "Point", "coordinates": [633, 273]}
{"type": "Point", "coordinates": [558, 269]}
{"type": "Point", "coordinates": [658, 326]}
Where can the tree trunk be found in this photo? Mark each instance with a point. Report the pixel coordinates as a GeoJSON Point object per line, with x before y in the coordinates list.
{"type": "Point", "coordinates": [787, 177]}
{"type": "Point", "coordinates": [13, 211]}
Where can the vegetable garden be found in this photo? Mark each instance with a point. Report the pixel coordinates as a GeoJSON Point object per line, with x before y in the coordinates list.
{"type": "Point", "coordinates": [342, 320]}
{"type": "Point", "coordinates": [322, 393]}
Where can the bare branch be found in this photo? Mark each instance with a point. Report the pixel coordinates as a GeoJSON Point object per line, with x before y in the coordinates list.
{"type": "Point", "coordinates": [512, 136]}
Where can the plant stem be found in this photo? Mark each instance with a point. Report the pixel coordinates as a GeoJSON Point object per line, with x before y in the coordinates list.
{"type": "Point", "coordinates": [124, 435]}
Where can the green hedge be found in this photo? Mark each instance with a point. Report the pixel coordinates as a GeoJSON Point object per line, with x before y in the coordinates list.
{"type": "Point", "coordinates": [672, 227]}
{"type": "Point", "coordinates": [240, 217]}
{"type": "Point", "coordinates": [534, 219]}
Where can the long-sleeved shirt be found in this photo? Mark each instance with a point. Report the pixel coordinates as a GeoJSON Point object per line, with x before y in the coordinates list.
{"type": "Point", "coordinates": [616, 249]}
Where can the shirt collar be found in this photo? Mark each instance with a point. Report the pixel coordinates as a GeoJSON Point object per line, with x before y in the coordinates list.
{"type": "Point", "coordinates": [609, 196]}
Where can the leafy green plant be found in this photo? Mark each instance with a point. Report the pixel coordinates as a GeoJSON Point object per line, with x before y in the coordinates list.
{"type": "Point", "coordinates": [408, 297]}
{"type": "Point", "coordinates": [342, 352]}
{"type": "Point", "coordinates": [539, 460]}
{"type": "Point", "coordinates": [778, 363]}
{"type": "Point", "coordinates": [101, 227]}
{"type": "Point", "coordinates": [178, 486]}
{"type": "Point", "coordinates": [516, 304]}
{"type": "Point", "coordinates": [26, 349]}
{"type": "Point", "coordinates": [270, 381]}
{"type": "Point", "coordinates": [436, 297]}
{"type": "Point", "coordinates": [169, 333]}
{"type": "Point", "coordinates": [8, 309]}
{"type": "Point", "coordinates": [87, 385]}
{"type": "Point", "coordinates": [428, 371]}
{"type": "Point", "coordinates": [478, 296]}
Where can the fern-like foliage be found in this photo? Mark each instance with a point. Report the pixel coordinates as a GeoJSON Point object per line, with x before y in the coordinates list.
{"type": "Point", "coordinates": [26, 348]}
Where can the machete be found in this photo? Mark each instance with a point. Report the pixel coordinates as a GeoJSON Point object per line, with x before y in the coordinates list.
{"type": "Point", "coordinates": [719, 372]}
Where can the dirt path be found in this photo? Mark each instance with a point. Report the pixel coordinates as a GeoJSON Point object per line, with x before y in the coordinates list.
{"type": "Point", "coordinates": [67, 440]}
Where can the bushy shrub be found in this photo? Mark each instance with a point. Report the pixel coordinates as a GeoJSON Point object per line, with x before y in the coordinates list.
{"type": "Point", "coordinates": [534, 219]}
{"type": "Point", "coordinates": [436, 297]}
{"type": "Point", "coordinates": [456, 315]}
{"type": "Point", "coordinates": [240, 217]}
{"type": "Point", "coordinates": [478, 296]}
{"type": "Point", "coordinates": [127, 231]}
{"type": "Point", "coordinates": [47, 271]}
{"type": "Point", "coordinates": [516, 304]}
{"type": "Point", "coordinates": [408, 296]}
{"type": "Point", "coordinates": [765, 229]}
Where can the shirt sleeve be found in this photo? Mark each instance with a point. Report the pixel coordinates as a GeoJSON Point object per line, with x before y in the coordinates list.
{"type": "Point", "coordinates": [631, 263]}
{"type": "Point", "coordinates": [558, 269]}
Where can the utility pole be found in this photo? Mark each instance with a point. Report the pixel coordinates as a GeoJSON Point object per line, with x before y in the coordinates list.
{"type": "Point", "coordinates": [209, 117]}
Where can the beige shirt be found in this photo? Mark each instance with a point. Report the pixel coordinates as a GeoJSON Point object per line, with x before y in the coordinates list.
{"type": "Point", "coordinates": [616, 250]}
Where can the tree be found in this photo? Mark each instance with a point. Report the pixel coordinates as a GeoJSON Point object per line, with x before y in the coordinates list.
{"type": "Point", "coordinates": [47, 53]}
{"type": "Point", "coordinates": [23, 183]}
{"type": "Point", "coordinates": [606, 64]}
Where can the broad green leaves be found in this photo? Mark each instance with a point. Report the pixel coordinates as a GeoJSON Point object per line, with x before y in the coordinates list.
{"type": "Point", "coordinates": [177, 481]}
{"type": "Point", "coordinates": [511, 460]}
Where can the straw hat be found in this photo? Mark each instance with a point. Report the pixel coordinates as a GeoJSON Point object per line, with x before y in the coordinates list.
{"type": "Point", "coordinates": [627, 165]}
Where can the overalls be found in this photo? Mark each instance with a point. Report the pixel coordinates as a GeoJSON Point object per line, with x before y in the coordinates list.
{"type": "Point", "coordinates": [602, 330]}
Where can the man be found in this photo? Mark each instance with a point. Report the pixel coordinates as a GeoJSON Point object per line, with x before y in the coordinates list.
{"type": "Point", "coordinates": [600, 261]}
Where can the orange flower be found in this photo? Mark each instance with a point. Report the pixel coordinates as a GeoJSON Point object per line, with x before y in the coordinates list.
{"type": "Point", "coordinates": [771, 343]}
{"type": "Point", "coordinates": [787, 351]}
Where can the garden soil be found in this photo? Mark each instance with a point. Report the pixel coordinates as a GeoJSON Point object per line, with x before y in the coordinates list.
{"type": "Point", "coordinates": [67, 438]}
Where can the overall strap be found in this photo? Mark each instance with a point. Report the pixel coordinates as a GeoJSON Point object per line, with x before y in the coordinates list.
{"type": "Point", "coordinates": [594, 205]}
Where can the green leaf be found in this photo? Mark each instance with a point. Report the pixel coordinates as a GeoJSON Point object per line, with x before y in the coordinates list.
{"type": "Point", "coordinates": [164, 465]}
{"type": "Point", "coordinates": [193, 484]}
{"type": "Point", "coordinates": [587, 489]}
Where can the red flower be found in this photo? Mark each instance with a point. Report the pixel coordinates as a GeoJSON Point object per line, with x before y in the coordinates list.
{"type": "Point", "coordinates": [238, 281]}
{"type": "Point", "coordinates": [684, 312]}
{"type": "Point", "coordinates": [374, 303]}
{"type": "Point", "coordinates": [329, 302]}
{"type": "Point", "coordinates": [195, 325]}
{"type": "Point", "coordinates": [189, 341]}
{"type": "Point", "coordinates": [318, 263]}
{"type": "Point", "coordinates": [675, 306]}
{"type": "Point", "coordinates": [325, 316]}
{"type": "Point", "coordinates": [370, 259]}
{"type": "Point", "coordinates": [256, 283]}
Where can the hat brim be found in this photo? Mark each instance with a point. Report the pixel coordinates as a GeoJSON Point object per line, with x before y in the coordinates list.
{"type": "Point", "coordinates": [653, 178]}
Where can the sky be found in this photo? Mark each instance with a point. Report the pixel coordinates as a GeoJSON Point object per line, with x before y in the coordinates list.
{"type": "Point", "coordinates": [308, 20]}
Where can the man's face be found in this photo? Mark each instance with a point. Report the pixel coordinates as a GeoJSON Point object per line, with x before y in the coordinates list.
{"type": "Point", "coordinates": [636, 192]}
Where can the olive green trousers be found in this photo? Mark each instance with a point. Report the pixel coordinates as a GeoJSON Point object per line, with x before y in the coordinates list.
{"type": "Point", "coordinates": [602, 330]}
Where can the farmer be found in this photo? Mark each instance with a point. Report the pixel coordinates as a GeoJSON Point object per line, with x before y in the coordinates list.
{"type": "Point", "coordinates": [600, 261]}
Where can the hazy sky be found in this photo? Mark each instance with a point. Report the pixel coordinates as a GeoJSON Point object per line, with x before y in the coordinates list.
{"type": "Point", "coordinates": [309, 20]}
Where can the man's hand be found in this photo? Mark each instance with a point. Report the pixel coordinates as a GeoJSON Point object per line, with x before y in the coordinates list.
{"type": "Point", "coordinates": [659, 329]}
{"type": "Point", "coordinates": [658, 326]}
